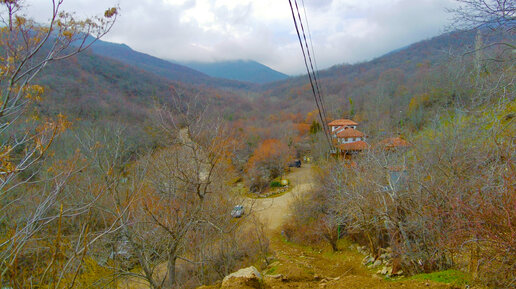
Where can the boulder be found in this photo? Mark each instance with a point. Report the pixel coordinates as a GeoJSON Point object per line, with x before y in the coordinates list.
{"type": "Point", "coordinates": [244, 278]}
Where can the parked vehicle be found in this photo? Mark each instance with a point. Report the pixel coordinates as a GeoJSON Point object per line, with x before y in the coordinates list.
{"type": "Point", "coordinates": [238, 211]}
{"type": "Point", "coordinates": [295, 164]}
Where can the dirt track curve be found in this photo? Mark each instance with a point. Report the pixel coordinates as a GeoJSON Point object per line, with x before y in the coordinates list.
{"type": "Point", "coordinates": [273, 212]}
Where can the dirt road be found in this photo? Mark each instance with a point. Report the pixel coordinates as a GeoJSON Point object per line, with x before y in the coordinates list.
{"type": "Point", "coordinates": [273, 212]}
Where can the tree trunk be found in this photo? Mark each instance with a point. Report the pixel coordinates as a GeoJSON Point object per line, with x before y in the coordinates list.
{"type": "Point", "coordinates": [333, 244]}
{"type": "Point", "coordinates": [171, 271]}
{"type": "Point", "coordinates": [474, 260]}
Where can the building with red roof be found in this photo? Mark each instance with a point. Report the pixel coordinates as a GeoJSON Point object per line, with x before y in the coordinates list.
{"type": "Point", "coordinates": [346, 137]}
{"type": "Point", "coordinates": [394, 143]}
{"type": "Point", "coordinates": [342, 123]}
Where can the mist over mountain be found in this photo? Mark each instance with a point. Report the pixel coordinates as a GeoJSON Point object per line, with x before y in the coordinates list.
{"type": "Point", "coordinates": [241, 70]}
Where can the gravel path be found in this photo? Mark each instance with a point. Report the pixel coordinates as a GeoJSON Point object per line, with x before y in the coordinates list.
{"type": "Point", "coordinates": [273, 212]}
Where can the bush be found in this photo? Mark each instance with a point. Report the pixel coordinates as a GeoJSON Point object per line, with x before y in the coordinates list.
{"type": "Point", "coordinates": [269, 161]}
{"type": "Point", "coordinates": [276, 184]}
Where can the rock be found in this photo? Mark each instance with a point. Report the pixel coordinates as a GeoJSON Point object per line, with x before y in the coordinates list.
{"type": "Point", "coordinates": [367, 260]}
{"type": "Point", "coordinates": [389, 271]}
{"type": "Point", "coordinates": [275, 277]}
{"type": "Point", "coordinates": [377, 263]}
{"type": "Point", "coordinates": [243, 278]}
{"type": "Point", "coordinates": [383, 271]}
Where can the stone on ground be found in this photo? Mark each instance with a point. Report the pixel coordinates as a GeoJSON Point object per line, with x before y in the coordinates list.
{"type": "Point", "coordinates": [246, 278]}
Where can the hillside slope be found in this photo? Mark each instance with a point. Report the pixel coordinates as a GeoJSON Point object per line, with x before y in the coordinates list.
{"type": "Point", "coordinates": [93, 87]}
{"type": "Point", "coordinates": [379, 91]}
{"type": "Point", "coordinates": [407, 59]}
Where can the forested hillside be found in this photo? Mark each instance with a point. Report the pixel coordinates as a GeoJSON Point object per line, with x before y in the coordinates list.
{"type": "Point", "coordinates": [95, 87]}
{"type": "Point", "coordinates": [380, 91]}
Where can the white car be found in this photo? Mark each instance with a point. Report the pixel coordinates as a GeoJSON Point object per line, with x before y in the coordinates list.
{"type": "Point", "coordinates": [238, 211]}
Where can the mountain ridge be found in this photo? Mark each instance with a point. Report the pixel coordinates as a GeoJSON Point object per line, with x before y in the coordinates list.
{"type": "Point", "coordinates": [240, 70]}
{"type": "Point", "coordinates": [161, 67]}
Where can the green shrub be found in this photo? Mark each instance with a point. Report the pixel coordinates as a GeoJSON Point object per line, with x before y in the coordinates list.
{"type": "Point", "coordinates": [449, 276]}
{"type": "Point", "coordinates": [276, 184]}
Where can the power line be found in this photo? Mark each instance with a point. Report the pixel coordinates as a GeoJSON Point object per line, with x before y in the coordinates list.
{"type": "Point", "coordinates": [311, 72]}
{"type": "Point", "coordinates": [310, 57]}
{"type": "Point", "coordinates": [313, 51]}
{"type": "Point", "coordinates": [317, 89]}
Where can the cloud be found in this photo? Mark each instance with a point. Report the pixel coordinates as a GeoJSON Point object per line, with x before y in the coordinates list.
{"type": "Point", "coordinates": [343, 31]}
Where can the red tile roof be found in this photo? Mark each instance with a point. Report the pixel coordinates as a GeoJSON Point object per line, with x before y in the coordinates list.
{"type": "Point", "coordinates": [349, 132]}
{"type": "Point", "coordinates": [394, 142]}
{"type": "Point", "coordinates": [342, 122]}
{"type": "Point", "coordinates": [353, 146]}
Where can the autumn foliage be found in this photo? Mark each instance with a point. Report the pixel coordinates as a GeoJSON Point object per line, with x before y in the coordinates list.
{"type": "Point", "coordinates": [268, 161]}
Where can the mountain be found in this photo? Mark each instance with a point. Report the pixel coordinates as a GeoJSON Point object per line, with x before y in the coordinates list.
{"type": "Point", "coordinates": [97, 88]}
{"type": "Point", "coordinates": [241, 70]}
{"type": "Point", "coordinates": [407, 59]}
{"type": "Point", "coordinates": [384, 92]}
{"type": "Point", "coordinates": [112, 80]}
{"type": "Point", "coordinates": [163, 68]}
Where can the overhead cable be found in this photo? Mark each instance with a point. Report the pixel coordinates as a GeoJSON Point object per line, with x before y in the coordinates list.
{"type": "Point", "coordinates": [311, 72]}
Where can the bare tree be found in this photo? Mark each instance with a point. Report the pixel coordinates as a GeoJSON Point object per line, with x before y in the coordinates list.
{"type": "Point", "coordinates": [27, 47]}
{"type": "Point", "coordinates": [183, 196]}
{"type": "Point", "coordinates": [487, 13]}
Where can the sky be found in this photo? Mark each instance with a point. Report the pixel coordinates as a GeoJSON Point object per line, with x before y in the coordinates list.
{"type": "Point", "coordinates": [343, 31]}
